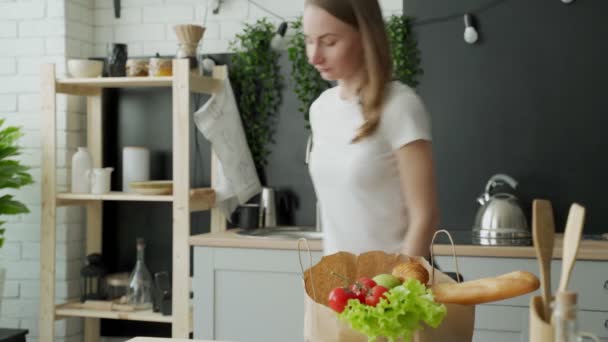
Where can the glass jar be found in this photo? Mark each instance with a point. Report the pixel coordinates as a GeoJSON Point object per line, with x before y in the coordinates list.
{"type": "Point", "coordinates": [564, 319]}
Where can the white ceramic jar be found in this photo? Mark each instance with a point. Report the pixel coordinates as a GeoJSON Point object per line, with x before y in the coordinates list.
{"type": "Point", "coordinates": [135, 166]}
{"type": "Point", "coordinates": [81, 162]}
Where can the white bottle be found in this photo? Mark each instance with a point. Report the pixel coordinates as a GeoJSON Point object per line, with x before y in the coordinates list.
{"type": "Point", "coordinates": [81, 162]}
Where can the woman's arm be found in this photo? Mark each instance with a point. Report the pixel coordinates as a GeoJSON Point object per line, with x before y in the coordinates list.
{"type": "Point", "coordinates": [416, 171]}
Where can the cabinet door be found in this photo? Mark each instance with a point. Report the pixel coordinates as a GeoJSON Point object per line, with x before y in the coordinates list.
{"type": "Point", "coordinates": [248, 294]}
{"type": "Point", "coordinates": [496, 323]}
{"type": "Point", "coordinates": [595, 322]}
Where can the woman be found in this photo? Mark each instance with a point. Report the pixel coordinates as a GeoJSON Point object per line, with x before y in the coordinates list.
{"type": "Point", "coordinates": [371, 161]}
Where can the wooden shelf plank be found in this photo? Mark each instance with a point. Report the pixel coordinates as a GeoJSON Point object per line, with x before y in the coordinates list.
{"type": "Point", "coordinates": [69, 310]}
{"type": "Point", "coordinates": [116, 82]}
{"type": "Point", "coordinates": [70, 198]}
{"type": "Point", "coordinates": [91, 86]}
{"type": "Point", "coordinates": [205, 85]}
{"type": "Point", "coordinates": [200, 198]}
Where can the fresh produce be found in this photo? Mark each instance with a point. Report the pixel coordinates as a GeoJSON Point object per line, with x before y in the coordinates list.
{"type": "Point", "coordinates": [387, 280]}
{"type": "Point", "coordinates": [339, 297]}
{"type": "Point", "coordinates": [399, 312]}
{"type": "Point", "coordinates": [362, 287]}
{"type": "Point", "coordinates": [387, 306]}
{"type": "Point", "coordinates": [375, 294]}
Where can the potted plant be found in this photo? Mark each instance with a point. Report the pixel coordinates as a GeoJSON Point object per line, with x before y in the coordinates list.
{"type": "Point", "coordinates": [257, 83]}
{"type": "Point", "coordinates": [13, 175]}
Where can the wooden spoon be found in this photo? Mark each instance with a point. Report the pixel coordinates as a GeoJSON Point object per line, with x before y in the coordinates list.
{"type": "Point", "coordinates": [543, 233]}
{"type": "Point", "coordinates": [572, 238]}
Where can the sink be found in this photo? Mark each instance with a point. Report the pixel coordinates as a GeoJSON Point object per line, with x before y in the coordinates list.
{"type": "Point", "coordinates": [283, 232]}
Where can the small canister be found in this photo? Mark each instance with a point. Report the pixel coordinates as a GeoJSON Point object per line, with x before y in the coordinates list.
{"type": "Point", "coordinates": [117, 285]}
{"type": "Point", "coordinates": [137, 67]}
{"type": "Point", "coordinates": [160, 67]}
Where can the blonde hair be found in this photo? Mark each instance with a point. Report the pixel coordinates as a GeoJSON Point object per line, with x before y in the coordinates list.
{"type": "Point", "coordinates": [366, 17]}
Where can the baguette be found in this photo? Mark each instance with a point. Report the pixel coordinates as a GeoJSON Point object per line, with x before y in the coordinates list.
{"type": "Point", "coordinates": [486, 289]}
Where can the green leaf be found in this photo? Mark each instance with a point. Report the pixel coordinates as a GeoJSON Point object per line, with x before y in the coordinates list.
{"type": "Point", "coordinates": [403, 311]}
{"type": "Point", "coordinates": [12, 173]}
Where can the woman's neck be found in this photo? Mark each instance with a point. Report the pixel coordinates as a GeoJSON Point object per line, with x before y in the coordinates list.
{"type": "Point", "coordinates": [351, 86]}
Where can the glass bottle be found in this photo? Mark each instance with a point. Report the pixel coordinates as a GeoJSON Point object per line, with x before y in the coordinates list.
{"type": "Point", "coordinates": [140, 281]}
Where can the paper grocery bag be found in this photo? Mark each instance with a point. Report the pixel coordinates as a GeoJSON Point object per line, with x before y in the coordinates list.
{"type": "Point", "coordinates": [321, 324]}
{"type": "Point", "coordinates": [540, 331]}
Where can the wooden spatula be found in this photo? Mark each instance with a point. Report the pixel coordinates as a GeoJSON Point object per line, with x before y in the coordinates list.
{"type": "Point", "coordinates": [572, 238]}
{"type": "Point", "coordinates": [543, 233]}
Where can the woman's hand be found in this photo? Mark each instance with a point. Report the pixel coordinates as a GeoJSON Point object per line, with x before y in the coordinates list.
{"type": "Point", "coordinates": [416, 171]}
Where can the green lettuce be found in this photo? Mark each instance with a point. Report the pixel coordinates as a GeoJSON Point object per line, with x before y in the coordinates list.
{"type": "Point", "coordinates": [398, 316]}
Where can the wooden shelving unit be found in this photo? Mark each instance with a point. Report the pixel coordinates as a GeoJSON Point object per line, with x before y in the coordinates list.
{"type": "Point", "coordinates": [184, 199]}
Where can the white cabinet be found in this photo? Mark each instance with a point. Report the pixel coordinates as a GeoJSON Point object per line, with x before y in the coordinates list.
{"type": "Point", "coordinates": [508, 320]}
{"type": "Point", "coordinates": [244, 294]}
{"type": "Point", "coordinates": [253, 295]}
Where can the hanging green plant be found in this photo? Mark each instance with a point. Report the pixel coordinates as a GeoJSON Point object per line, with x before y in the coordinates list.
{"type": "Point", "coordinates": [308, 82]}
{"type": "Point", "coordinates": [404, 49]}
{"type": "Point", "coordinates": [255, 77]}
{"type": "Point", "coordinates": [13, 175]}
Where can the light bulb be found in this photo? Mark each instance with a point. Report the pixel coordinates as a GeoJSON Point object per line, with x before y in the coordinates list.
{"type": "Point", "coordinates": [567, 1]}
{"type": "Point", "coordinates": [470, 33]}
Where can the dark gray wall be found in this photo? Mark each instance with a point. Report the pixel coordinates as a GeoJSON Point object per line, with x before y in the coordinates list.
{"type": "Point", "coordinates": [142, 117]}
{"type": "Point", "coordinates": [529, 100]}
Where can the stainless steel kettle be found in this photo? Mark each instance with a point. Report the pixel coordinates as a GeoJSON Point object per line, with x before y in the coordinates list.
{"type": "Point", "coordinates": [500, 220]}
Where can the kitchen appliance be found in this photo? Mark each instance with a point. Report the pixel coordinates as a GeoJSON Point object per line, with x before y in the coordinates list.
{"type": "Point", "coordinates": [500, 220]}
{"type": "Point", "coordinates": [268, 208]}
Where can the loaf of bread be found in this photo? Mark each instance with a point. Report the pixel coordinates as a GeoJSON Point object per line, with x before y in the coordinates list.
{"type": "Point", "coordinates": [411, 269]}
{"type": "Point", "coordinates": [486, 289]}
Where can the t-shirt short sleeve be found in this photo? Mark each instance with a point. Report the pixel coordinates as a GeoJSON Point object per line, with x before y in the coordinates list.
{"type": "Point", "coordinates": [404, 118]}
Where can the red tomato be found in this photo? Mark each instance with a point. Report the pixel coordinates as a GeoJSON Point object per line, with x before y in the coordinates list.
{"type": "Point", "coordinates": [367, 282]}
{"type": "Point", "coordinates": [361, 287]}
{"type": "Point", "coordinates": [338, 298]}
{"type": "Point", "coordinates": [373, 296]}
{"type": "Point", "coordinates": [359, 291]}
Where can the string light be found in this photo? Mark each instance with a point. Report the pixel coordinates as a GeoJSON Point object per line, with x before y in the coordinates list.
{"type": "Point", "coordinates": [470, 33]}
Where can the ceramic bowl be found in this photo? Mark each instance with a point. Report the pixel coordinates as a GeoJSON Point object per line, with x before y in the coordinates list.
{"type": "Point", "coordinates": [84, 68]}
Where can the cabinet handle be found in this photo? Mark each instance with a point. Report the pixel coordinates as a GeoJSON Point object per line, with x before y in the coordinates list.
{"type": "Point", "coordinates": [606, 324]}
{"type": "Point", "coordinates": [606, 285]}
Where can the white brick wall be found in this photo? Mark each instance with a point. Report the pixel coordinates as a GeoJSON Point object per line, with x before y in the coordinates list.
{"type": "Point", "coordinates": [147, 25]}
{"type": "Point", "coordinates": [33, 32]}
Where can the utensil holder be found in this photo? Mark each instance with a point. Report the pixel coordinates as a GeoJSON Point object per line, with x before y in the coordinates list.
{"type": "Point", "coordinates": [540, 331]}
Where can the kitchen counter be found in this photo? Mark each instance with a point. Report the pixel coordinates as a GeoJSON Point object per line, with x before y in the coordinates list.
{"type": "Point", "coordinates": [588, 250]}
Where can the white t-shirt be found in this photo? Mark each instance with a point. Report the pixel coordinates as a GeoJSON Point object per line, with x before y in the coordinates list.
{"type": "Point", "coordinates": [357, 185]}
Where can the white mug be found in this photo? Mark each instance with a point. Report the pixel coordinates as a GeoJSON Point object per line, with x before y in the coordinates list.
{"type": "Point", "coordinates": [100, 179]}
